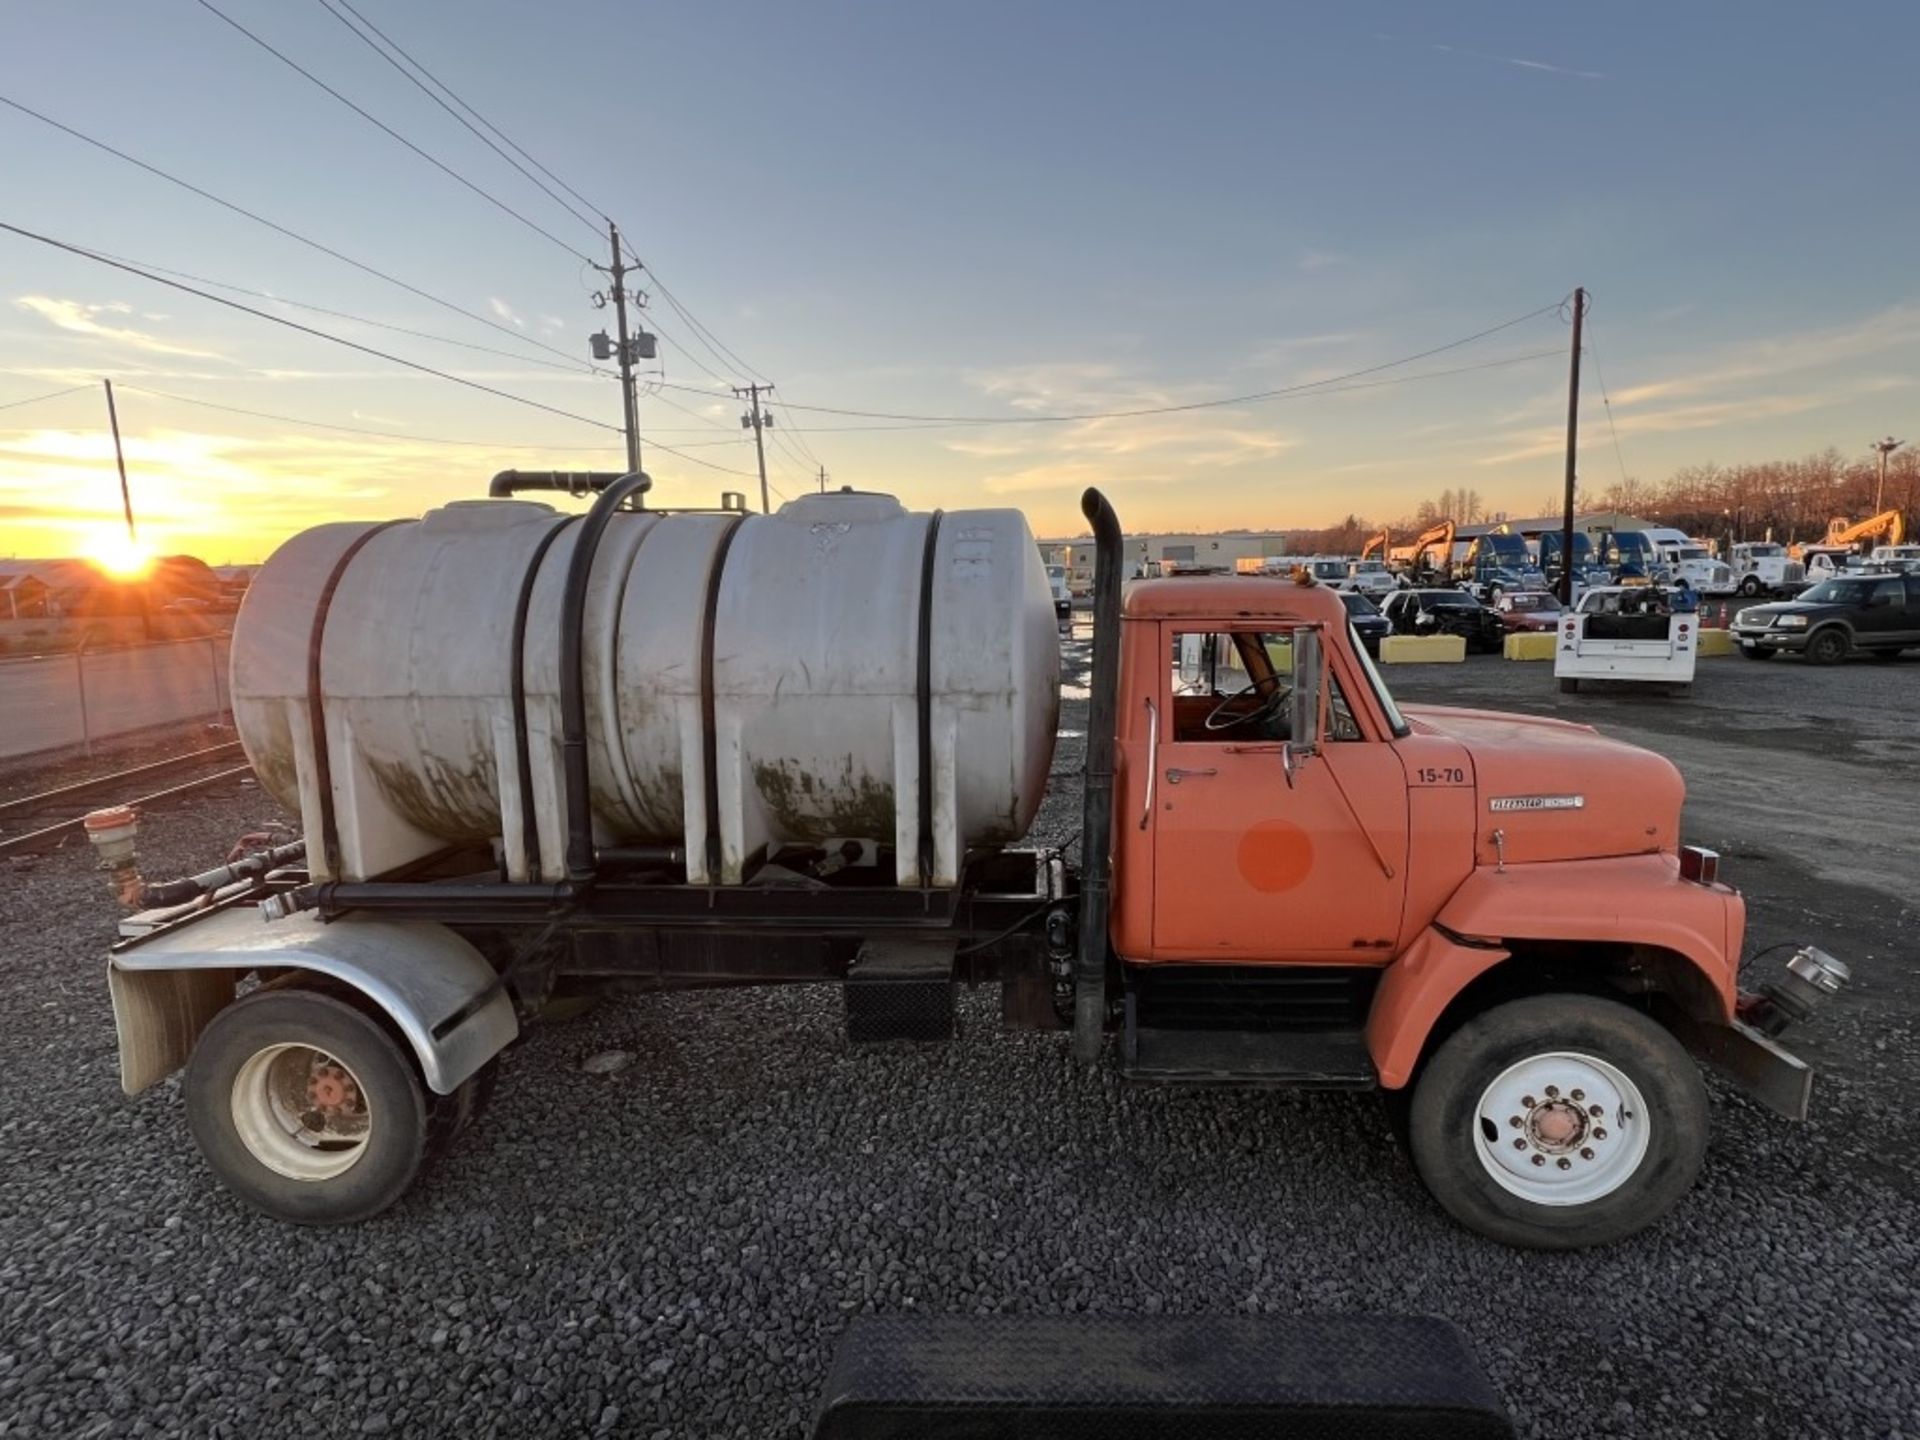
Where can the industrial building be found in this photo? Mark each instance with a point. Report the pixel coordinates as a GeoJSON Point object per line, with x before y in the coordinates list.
{"type": "Point", "coordinates": [1145, 551]}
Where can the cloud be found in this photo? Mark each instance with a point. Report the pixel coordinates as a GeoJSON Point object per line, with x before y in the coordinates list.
{"type": "Point", "coordinates": [1320, 260]}
{"type": "Point", "coordinates": [77, 317]}
{"type": "Point", "coordinates": [505, 311]}
{"type": "Point", "coordinates": [551, 323]}
{"type": "Point", "coordinates": [1515, 60]}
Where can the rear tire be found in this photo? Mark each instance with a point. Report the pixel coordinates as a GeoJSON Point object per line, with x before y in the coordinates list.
{"type": "Point", "coordinates": [1599, 1178]}
{"type": "Point", "coordinates": [1829, 646]}
{"type": "Point", "coordinates": [1569, 685]}
{"type": "Point", "coordinates": [307, 1108]}
{"type": "Point", "coordinates": [1756, 653]}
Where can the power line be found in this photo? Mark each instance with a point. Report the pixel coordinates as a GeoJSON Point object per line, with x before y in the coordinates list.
{"type": "Point", "coordinates": [1606, 404]}
{"type": "Point", "coordinates": [714, 343]}
{"type": "Point", "coordinates": [371, 119]}
{"type": "Point", "coordinates": [307, 329]}
{"type": "Point", "coordinates": [1150, 410]}
{"type": "Point", "coordinates": [351, 429]}
{"type": "Point", "coordinates": [1326, 387]}
{"type": "Point", "coordinates": [280, 229]}
{"type": "Point", "coordinates": [450, 93]}
{"type": "Point", "coordinates": [588, 220]}
{"type": "Point", "coordinates": [50, 395]}
{"type": "Point", "coordinates": [576, 368]}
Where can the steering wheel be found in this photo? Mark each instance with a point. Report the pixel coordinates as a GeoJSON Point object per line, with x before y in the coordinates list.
{"type": "Point", "coordinates": [1265, 709]}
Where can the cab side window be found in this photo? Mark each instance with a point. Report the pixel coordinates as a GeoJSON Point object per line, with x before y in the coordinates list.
{"type": "Point", "coordinates": [1234, 687]}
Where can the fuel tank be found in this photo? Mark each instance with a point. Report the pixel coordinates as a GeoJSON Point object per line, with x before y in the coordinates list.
{"type": "Point", "coordinates": [751, 681]}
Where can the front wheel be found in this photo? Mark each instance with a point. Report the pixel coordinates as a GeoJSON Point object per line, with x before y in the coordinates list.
{"type": "Point", "coordinates": [1754, 652]}
{"type": "Point", "coordinates": [308, 1109]}
{"type": "Point", "coordinates": [1829, 646]}
{"type": "Point", "coordinates": [1569, 685]}
{"type": "Point", "coordinates": [1559, 1121]}
{"type": "Point", "coordinates": [1750, 586]}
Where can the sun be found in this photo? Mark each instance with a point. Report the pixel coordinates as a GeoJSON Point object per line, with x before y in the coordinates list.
{"type": "Point", "coordinates": [119, 554]}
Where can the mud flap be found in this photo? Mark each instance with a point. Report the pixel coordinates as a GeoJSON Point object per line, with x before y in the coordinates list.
{"type": "Point", "coordinates": [1334, 1377]}
{"type": "Point", "coordinates": [1757, 1066]}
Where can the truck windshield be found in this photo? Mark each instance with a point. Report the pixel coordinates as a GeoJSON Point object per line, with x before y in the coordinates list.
{"type": "Point", "coordinates": [1765, 552]}
{"type": "Point", "coordinates": [1396, 722]}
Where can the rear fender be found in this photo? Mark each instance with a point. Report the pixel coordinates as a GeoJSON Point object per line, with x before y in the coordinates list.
{"type": "Point", "coordinates": [1638, 902]}
{"type": "Point", "coordinates": [439, 992]}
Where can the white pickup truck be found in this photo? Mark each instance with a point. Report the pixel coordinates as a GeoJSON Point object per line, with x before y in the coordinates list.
{"type": "Point", "coordinates": [1627, 632]}
{"type": "Point", "coordinates": [1370, 578]}
{"type": "Point", "coordinates": [1684, 558]}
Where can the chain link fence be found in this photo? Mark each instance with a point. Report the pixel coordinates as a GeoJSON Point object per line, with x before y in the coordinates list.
{"type": "Point", "coordinates": [76, 698]}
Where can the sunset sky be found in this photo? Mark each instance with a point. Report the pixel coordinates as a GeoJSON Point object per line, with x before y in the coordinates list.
{"type": "Point", "coordinates": [991, 210]}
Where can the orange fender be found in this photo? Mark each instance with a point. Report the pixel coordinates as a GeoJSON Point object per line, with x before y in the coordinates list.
{"type": "Point", "coordinates": [1628, 900]}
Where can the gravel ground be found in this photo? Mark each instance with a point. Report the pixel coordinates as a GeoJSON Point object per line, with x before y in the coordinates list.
{"type": "Point", "coordinates": [672, 1250]}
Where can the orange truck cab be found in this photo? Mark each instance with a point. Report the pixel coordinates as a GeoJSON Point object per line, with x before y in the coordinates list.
{"type": "Point", "coordinates": [1489, 915]}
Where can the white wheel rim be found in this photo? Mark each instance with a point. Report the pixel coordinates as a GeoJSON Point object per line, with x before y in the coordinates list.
{"type": "Point", "coordinates": [1561, 1129]}
{"type": "Point", "coordinates": [301, 1112]}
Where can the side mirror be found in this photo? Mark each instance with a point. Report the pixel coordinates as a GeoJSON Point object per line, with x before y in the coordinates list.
{"type": "Point", "coordinates": [1304, 703]}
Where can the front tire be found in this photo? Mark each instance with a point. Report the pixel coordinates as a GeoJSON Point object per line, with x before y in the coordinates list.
{"type": "Point", "coordinates": [1569, 685]}
{"type": "Point", "coordinates": [308, 1109]}
{"type": "Point", "coordinates": [1754, 652]}
{"type": "Point", "coordinates": [1750, 586]}
{"type": "Point", "coordinates": [1828, 647]}
{"type": "Point", "coordinates": [1504, 1131]}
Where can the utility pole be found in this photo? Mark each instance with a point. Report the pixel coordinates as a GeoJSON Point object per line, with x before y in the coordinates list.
{"type": "Point", "coordinates": [1573, 446]}
{"type": "Point", "coordinates": [120, 459]}
{"type": "Point", "coordinates": [1886, 447]}
{"type": "Point", "coordinates": [757, 420]}
{"type": "Point", "coordinates": [630, 347]}
{"type": "Point", "coordinates": [823, 479]}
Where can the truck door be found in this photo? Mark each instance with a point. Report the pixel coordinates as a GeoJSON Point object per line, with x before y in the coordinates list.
{"type": "Point", "coordinates": [1250, 866]}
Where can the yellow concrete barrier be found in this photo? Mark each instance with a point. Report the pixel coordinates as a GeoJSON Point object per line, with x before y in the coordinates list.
{"type": "Point", "coordinates": [1537, 645]}
{"type": "Point", "coordinates": [1715, 643]}
{"type": "Point", "coordinates": [1423, 649]}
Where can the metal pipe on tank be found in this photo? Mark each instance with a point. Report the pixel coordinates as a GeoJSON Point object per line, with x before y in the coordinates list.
{"type": "Point", "coordinates": [570, 482]}
{"type": "Point", "coordinates": [573, 681]}
{"type": "Point", "coordinates": [1096, 835]}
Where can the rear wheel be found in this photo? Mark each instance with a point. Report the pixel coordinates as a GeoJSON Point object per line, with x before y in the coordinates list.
{"type": "Point", "coordinates": [1559, 1121]}
{"type": "Point", "coordinates": [308, 1109]}
{"type": "Point", "coordinates": [1569, 685]}
{"type": "Point", "coordinates": [1829, 646]}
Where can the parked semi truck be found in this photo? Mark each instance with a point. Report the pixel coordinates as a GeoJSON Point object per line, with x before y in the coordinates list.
{"type": "Point", "coordinates": [669, 750]}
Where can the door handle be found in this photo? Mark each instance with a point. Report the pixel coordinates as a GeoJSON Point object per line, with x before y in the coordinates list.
{"type": "Point", "coordinates": [1153, 759]}
{"type": "Point", "coordinates": [1174, 777]}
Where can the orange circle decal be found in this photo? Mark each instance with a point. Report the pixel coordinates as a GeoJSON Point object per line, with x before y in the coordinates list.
{"type": "Point", "coordinates": [1275, 855]}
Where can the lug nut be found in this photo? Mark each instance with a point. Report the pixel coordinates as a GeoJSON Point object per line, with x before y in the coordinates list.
{"type": "Point", "coordinates": [1539, 1159]}
{"type": "Point", "coordinates": [1596, 1111]}
{"type": "Point", "coordinates": [1553, 1092]}
{"type": "Point", "coordinates": [1576, 1095]}
{"type": "Point", "coordinates": [1599, 1134]}
{"type": "Point", "coordinates": [1564, 1163]}
{"type": "Point", "coordinates": [1587, 1154]}
{"type": "Point", "coordinates": [1519, 1143]}
{"type": "Point", "coordinates": [1515, 1121]}
{"type": "Point", "coordinates": [1528, 1101]}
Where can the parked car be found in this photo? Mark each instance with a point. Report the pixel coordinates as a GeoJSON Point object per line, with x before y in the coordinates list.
{"type": "Point", "coordinates": [1527, 610]}
{"type": "Point", "coordinates": [1368, 623]}
{"type": "Point", "coordinates": [1445, 612]}
{"type": "Point", "coordinates": [1371, 578]}
{"type": "Point", "coordinates": [1877, 614]}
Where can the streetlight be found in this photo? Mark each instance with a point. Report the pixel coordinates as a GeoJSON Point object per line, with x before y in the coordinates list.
{"type": "Point", "coordinates": [1886, 447]}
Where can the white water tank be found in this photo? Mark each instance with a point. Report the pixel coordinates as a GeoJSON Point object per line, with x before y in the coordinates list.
{"type": "Point", "coordinates": [750, 680]}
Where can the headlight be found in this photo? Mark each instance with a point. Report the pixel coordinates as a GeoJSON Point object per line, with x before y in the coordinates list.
{"type": "Point", "coordinates": [1791, 622]}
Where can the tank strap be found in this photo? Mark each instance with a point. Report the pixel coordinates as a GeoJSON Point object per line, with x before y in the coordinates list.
{"type": "Point", "coordinates": [709, 738]}
{"type": "Point", "coordinates": [316, 698]}
{"type": "Point", "coordinates": [522, 749]}
{"type": "Point", "coordinates": [923, 698]}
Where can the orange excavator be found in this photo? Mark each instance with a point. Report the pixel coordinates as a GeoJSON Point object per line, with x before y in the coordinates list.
{"type": "Point", "coordinates": [1377, 545]}
{"type": "Point", "coordinates": [1412, 558]}
{"type": "Point", "coordinates": [1889, 527]}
